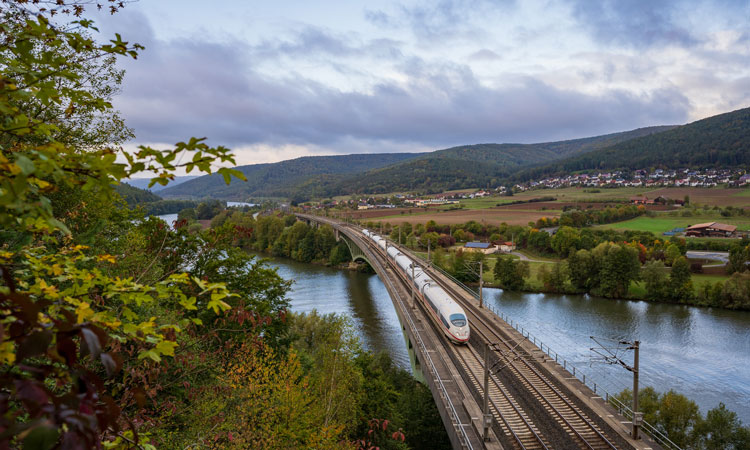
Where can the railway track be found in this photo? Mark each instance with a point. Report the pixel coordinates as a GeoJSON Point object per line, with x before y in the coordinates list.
{"type": "Point", "coordinates": [568, 416]}
{"type": "Point", "coordinates": [512, 420]}
{"type": "Point", "coordinates": [519, 430]}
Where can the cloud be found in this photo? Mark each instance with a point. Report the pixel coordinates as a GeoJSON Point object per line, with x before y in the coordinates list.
{"type": "Point", "coordinates": [260, 98]}
{"type": "Point", "coordinates": [441, 20]}
{"type": "Point", "coordinates": [647, 23]}
{"type": "Point", "coordinates": [312, 41]}
{"type": "Point", "coordinates": [185, 87]}
{"type": "Point", "coordinates": [484, 55]}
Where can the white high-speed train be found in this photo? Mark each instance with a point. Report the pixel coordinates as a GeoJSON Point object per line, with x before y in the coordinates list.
{"type": "Point", "coordinates": [446, 313]}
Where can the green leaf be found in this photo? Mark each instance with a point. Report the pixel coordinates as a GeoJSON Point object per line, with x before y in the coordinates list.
{"type": "Point", "coordinates": [25, 164]}
{"type": "Point", "coordinates": [41, 438]}
{"type": "Point", "coordinates": [166, 347]}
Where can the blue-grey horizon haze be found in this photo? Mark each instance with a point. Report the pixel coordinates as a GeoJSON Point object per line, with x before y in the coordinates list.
{"type": "Point", "coordinates": [278, 80]}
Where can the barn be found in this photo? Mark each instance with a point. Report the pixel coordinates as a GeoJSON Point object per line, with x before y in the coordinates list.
{"type": "Point", "coordinates": [484, 247]}
{"type": "Point", "coordinates": [711, 229]}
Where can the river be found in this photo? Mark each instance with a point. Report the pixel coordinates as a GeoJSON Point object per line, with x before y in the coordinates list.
{"type": "Point", "coordinates": [702, 353]}
{"type": "Point", "coordinates": [170, 218]}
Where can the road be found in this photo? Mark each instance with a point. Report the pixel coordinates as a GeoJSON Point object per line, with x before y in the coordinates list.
{"type": "Point", "coordinates": [723, 257]}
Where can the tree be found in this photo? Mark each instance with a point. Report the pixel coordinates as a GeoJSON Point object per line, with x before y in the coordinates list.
{"type": "Point", "coordinates": [340, 254]}
{"type": "Point", "coordinates": [736, 291]}
{"type": "Point", "coordinates": [430, 238]}
{"type": "Point", "coordinates": [672, 253]}
{"type": "Point", "coordinates": [582, 270]}
{"type": "Point", "coordinates": [406, 228]}
{"type": "Point", "coordinates": [564, 240]}
{"type": "Point", "coordinates": [619, 266]}
{"type": "Point", "coordinates": [739, 257]}
{"type": "Point", "coordinates": [71, 321]}
{"type": "Point", "coordinates": [721, 430]}
{"type": "Point", "coordinates": [680, 286]}
{"type": "Point", "coordinates": [655, 280]}
{"type": "Point", "coordinates": [555, 279]}
{"type": "Point", "coordinates": [510, 273]}
{"type": "Point", "coordinates": [676, 417]}
{"type": "Point", "coordinates": [446, 240]}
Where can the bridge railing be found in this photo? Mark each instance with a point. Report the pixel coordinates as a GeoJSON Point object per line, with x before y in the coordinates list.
{"type": "Point", "coordinates": [623, 409]}
{"type": "Point", "coordinates": [435, 376]}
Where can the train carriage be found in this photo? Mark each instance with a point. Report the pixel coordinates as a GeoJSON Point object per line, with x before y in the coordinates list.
{"type": "Point", "coordinates": [446, 313]}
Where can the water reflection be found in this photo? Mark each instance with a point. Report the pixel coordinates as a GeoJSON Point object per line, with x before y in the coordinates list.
{"type": "Point", "coordinates": [700, 352]}
{"type": "Point", "coordinates": [361, 297]}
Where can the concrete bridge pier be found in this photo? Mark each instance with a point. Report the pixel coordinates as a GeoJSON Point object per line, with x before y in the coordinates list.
{"type": "Point", "coordinates": [416, 365]}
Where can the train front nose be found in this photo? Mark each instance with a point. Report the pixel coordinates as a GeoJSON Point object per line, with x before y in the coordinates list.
{"type": "Point", "coordinates": [463, 333]}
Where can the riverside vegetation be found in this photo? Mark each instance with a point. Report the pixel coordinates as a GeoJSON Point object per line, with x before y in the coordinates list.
{"type": "Point", "coordinates": [119, 332]}
{"type": "Point", "coordinates": [581, 259]}
{"type": "Point", "coordinates": [670, 412]}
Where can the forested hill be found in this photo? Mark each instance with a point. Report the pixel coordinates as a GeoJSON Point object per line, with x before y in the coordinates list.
{"type": "Point", "coordinates": [281, 179]}
{"type": "Point", "coordinates": [718, 141]}
{"type": "Point", "coordinates": [481, 165]}
{"type": "Point", "coordinates": [452, 168]}
{"type": "Point", "coordinates": [134, 195]}
{"type": "Point", "coordinates": [526, 154]}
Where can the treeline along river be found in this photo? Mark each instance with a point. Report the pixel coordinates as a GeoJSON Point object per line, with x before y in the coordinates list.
{"type": "Point", "coordinates": [702, 353]}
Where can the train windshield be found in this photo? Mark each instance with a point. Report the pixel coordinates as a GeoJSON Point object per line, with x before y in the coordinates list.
{"type": "Point", "coordinates": [458, 320]}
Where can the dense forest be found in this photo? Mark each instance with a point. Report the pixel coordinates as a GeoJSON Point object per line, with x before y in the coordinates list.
{"type": "Point", "coordinates": [151, 203]}
{"type": "Point", "coordinates": [280, 179]}
{"type": "Point", "coordinates": [118, 331]}
{"type": "Point", "coordinates": [134, 196]}
{"type": "Point", "coordinates": [718, 141]}
{"type": "Point", "coordinates": [481, 165]}
{"type": "Point", "coordinates": [599, 261]}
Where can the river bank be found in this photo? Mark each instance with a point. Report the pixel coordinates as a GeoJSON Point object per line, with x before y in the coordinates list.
{"type": "Point", "coordinates": [700, 352]}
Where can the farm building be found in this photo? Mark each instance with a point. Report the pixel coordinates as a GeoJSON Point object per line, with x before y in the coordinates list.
{"type": "Point", "coordinates": [507, 247]}
{"type": "Point", "coordinates": [711, 229]}
{"type": "Point", "coordinates": [484, 247]}
{"type": "Point", "coordinates": [660, 200]}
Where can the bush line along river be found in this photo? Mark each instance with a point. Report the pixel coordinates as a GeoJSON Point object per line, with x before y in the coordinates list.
{"type": "Point", "coordinates": [700, 352]}
{"type": "Point", "coordinates": [703, 353]}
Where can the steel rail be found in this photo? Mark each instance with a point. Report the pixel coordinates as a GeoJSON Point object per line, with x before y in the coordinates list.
{"type": "Point", "coordinates": [518, 412]}
{"type": "Point", "coordinates": [457, 423]}
{"type": "Point", "coordinates": [534, 371]}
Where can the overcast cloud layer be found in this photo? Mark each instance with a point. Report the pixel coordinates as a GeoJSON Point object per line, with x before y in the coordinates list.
{"type": "Point", "coordinates": [287, 80]}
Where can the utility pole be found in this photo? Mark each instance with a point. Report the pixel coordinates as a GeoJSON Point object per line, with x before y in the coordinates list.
{"type": "Point", "coordinates": [481, 265]}
{"type": "Point", "coordinates": [637, 416]}
{"type": "Point", "coordinates": [611, 355]}
{"type": "Point", "coordinates": [486, 418]}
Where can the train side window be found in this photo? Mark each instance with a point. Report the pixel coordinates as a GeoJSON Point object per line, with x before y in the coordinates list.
{"type": "Point", "coordinates": [445, 322]}
{"type": "Point", "coordinates": [458, 320]}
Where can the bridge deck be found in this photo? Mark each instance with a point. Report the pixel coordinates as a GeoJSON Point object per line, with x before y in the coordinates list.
{"type": "Point", "coordinates": [535, 402]}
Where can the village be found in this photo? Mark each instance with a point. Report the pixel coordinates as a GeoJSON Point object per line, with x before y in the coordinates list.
{"type": "Point", "coordinates": [644, 178]}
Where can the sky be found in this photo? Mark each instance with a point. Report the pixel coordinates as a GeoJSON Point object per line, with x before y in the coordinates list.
{"type": "Point", "coordinates": [284, 79]}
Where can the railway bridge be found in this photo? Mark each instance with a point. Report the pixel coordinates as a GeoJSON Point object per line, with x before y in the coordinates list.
{"type": "Point", "coordinates": [533, 402]}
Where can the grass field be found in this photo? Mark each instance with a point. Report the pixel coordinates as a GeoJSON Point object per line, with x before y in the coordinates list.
{"type": "Point", "coordinates": [483, 203]}
{"type": "Point", "coordinates": [486, 210]}
{"type": "Point", "coordinates": [664, 222]}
